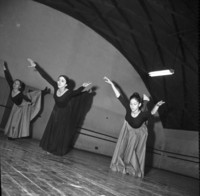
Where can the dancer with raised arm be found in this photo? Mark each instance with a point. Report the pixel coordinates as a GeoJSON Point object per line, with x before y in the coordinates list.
{"type": "Point", "coordinates": [25, 107]}
{"type": "Point", "coordinates": [58, 135]}
{"type": "Point", "coordinates": [129, 153]}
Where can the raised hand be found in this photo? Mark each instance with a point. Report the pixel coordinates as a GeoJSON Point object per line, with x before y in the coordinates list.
{"type": "Point", "coordinates": [160, 103]}
{"type": "Point", "coordinates": [156, 107]}
{"type": "Point", "coordinates": [107, 80]}
{"type": "Point", "coordinates": [32, 63]}
{"type": "Point", "coordinates": [145, 97]}
{"type": "Point", "coordinates": [85, 84]}
{"type": "Point", "coordinates": [5, 65]}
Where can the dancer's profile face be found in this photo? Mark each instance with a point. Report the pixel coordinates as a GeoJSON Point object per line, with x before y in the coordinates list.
{"type": "Point", "coordinates": [61, 82]}
{"type": "Point", "coordinates": [134, 104]}
{"type": "Point", "coordinates": [16, 85]}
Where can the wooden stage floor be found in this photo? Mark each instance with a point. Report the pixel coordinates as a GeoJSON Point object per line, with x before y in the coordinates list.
{"type": "Point", "coordinates": [27, 170]}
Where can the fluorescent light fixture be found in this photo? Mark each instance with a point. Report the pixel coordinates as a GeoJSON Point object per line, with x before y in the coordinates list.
{"type": "Point", "coordinates": [161, 72]}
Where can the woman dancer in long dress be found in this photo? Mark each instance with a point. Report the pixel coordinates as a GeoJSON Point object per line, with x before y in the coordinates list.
{"type": "Point", "coordinates": [59, 132]}
{"type": "Point", "coordinates": [129, 153]}
{"type": "Point", "coordinates": [25, 107]}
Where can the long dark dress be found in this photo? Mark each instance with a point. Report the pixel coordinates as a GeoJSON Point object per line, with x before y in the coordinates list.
{"type": "Point", "coordinates": [25, 108]}
{"type": "Point", "coordinates": [58, 135]}
{"type": "Point", "coordinates": [130, 150]}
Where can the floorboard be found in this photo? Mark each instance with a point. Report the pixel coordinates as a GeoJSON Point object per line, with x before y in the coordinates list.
{"type": "Point", "coordinates": [28, 170]}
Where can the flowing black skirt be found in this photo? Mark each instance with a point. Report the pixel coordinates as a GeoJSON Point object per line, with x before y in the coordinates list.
{"type": "Point", "coordinates": [63, 124]}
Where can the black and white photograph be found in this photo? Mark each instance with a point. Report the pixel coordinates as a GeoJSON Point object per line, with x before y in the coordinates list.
{"type": "Point", "coordinates": [99, 97]}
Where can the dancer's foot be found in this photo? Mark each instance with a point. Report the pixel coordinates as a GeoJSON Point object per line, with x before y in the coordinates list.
{"type": "Point", "coordinates": [46, 91]}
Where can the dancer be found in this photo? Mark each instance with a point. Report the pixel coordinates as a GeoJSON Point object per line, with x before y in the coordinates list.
{"type": "Point", "coordinates": [129, 153]}
{"type": "Point", "coordinates": [25, 107]}
{"type": "Point", "coordinates": [58, 135]}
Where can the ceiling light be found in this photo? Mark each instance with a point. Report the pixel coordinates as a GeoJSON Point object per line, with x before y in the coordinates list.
{"type": "Point", "coordinates": [161, 72]}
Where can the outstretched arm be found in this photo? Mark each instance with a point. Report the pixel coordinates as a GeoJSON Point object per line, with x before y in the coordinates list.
{"type": "Point", "coordinates": [43, 73]}
{"type": "Point", "coordinates": [86, 84]}
{"type": "Point", "coordinates": [121, 98]}
{"type": "Point", "coordinates": [79, 90]}
{"type": "Point", "coordinates": [7, 74]}
{"type": "Point", "coordinates": [107, 80]}
{"type": "Point", "coordinates": [156, 107]}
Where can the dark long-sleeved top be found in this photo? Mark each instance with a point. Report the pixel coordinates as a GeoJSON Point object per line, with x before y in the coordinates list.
{"type": "Point", "coordinates": [138, 120]}
{"type": "Point", "coordinates": [17, 99]}
{"type": "Point", "coordinates": [61, 101]}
